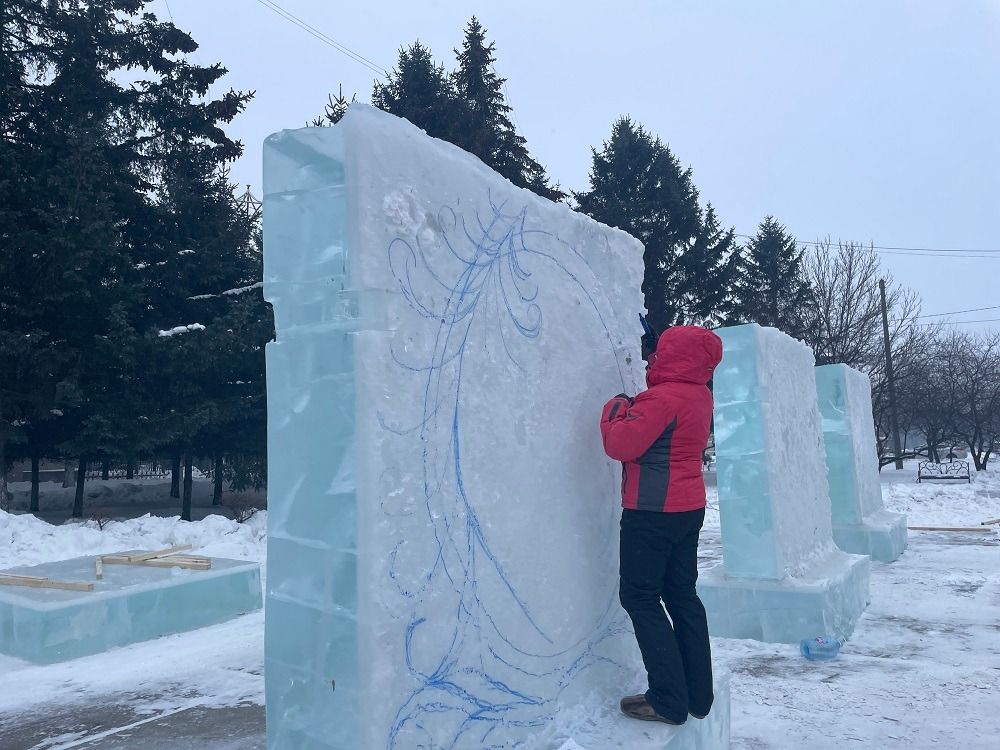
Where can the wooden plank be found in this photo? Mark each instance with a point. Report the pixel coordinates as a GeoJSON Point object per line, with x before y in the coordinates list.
{"type": "Point", "coordinates": [167, 562]}
{"type": "Point", "coordinates": [44, 583]}
{"type": "Point", "coordinates": [160, 562]}
{"type": "Point", "coordinates": [25, 578]}
{"type": "Point", "coordinates": [971, 530]}
{"type": "Point", "coordinates": [142, 557]}
{"type": "Point", "coordinates": [99, 565]}
{"type": "Point", "coordinates": [990, 522]}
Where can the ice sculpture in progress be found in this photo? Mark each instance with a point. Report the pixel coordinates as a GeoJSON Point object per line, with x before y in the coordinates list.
{"type": "Point", "coordinates": [782, 577]}
{"type": "Point", "coordinates": [860, 523]}
{"type": "Point", "coordinates": [443, 525]}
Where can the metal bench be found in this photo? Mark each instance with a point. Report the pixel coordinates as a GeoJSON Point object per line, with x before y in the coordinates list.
{"type": "Point", "coordinates": [950, 470]}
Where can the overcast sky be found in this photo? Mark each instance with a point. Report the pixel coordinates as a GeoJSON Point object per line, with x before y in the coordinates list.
{"type": "Point", "coordinates": [871, 121]}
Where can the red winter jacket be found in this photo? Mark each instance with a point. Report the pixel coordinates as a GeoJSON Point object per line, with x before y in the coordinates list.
{"type": "Point", "coordinates": [661, 434]}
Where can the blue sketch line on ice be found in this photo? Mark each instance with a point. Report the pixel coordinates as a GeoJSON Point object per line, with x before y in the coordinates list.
{"type": "Point", "coordinates": [490, 265]}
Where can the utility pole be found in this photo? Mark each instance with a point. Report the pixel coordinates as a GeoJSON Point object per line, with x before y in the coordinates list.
{"type": "Point", "coordinates": [890, 376]}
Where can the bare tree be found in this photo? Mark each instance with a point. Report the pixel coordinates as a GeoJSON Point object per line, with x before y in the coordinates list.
{"type": "Point", "coordinates": [924, 396]}
{"type": "Point", "coordinates": [969, 368]}
{"type": "Point", "coordinates": [844, 319]}
{"type": "Point", "coordinates": [845, 314]}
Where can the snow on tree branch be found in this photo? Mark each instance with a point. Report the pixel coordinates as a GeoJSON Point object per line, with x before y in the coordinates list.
{"type": "Point", "coordinates": [230, 292]}
{"type": "Point", "coordinates": [182, 329]}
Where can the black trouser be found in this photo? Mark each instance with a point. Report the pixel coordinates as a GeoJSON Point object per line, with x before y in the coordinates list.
{"type": "Point", "coordinates": [659, 561]}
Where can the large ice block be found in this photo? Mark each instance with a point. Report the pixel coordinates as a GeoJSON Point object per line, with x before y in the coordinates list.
{"type": "Point", "coordinates": [782, 577]}
{"type": "Point", "coordinates": [443, 525]}
{"type": "Point", "coordinates": [129, 604]}
{"type": "Point", "coordinates": [860, 522]}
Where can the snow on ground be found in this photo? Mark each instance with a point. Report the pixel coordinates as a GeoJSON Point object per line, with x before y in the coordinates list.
{"type": "Point", "coordinates": [922, 669]}
{"type": "Point", "coordinates": [216, 666]}
{"type": "Point", "coordinates": [26, 540]}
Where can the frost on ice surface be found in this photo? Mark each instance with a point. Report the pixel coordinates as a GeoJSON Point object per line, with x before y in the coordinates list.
{"type": "Point", "coordinates": [443, 522]}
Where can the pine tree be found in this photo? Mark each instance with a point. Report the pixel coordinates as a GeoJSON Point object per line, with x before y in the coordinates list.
{"type": "Point", "coordinates": [335, 109]}
{"type": "Point", "coordinates": [709, 272]}
{"type": "Point", "coordinates": [487, 130]}
{"type": "Point", "coordinates": [241, 325]}
{"type": "Point", "coordinates": [639, 186]}
{"type": "Point", "coordinates": [207, 254]}
{"type": "Point", "coordinates": [419, 90]}
{"type": "Point", "coordinates": [86, 150]}
{"type": "Point", "coordinates": [771, 288]}
{"type": "Point", "coordinates": [467, 107]}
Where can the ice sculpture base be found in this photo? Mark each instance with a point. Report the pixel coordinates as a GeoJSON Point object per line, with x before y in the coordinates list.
{"type": "Point", "coordinates": [882, 536]}
{"type": "Point", "coordinates": [129, 604]}
{"type": "Point", "coordinates": [614, 731]}
{"type": "Point", "coordinates": [827, 600]}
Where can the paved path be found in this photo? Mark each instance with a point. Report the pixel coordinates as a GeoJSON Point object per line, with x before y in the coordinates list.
{"type": "Point", "coordinates": [112, 726]}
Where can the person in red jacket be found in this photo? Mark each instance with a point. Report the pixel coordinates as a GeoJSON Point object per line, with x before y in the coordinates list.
{"type": "Point", "coordinates": [660, 436]}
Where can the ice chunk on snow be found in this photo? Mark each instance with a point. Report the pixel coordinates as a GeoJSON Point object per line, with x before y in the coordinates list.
{"type": "Point", "coordinates": [860, 522]}
{"type": "Point", "coordinates": [129, 604]}
{"type": "Point", "coordinates": [781, 576]}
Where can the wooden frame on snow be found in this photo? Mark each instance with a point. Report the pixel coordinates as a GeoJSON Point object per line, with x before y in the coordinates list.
{"type": "Point", "coordinates": [164, 558]}
{"type": "Point", "coordinates": [36, 582]}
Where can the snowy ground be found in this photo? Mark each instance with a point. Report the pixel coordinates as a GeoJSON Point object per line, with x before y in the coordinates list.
{"type": "Point", "coordinates": [921, 671]}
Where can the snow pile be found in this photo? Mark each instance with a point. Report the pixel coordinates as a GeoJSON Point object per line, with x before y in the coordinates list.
{"type": "Point", "coordinates": [945, 503]}
{"type": "Point", "coordinates": [26, 540]}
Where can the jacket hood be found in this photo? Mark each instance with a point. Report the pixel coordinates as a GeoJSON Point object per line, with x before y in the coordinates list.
{"type": "Point", "coordinates": [685, 354]}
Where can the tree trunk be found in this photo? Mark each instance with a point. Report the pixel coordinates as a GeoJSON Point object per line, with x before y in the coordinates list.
{"type": "Point", "coordinates": [104, 470]}
{"type": "Point", "coordinates": [4, 494]}
{"type": "Point", "coordinates": [977, 456]}
{"type": "Point", "coordinates": [175, 476]}
{"type": "Point", "coordinates": [33, 508]}
{"type": "Point", "coordinates": [217, 491]}
{"type": "Point", "coordinates": [130, 468]}
{"type": "Point", "coordinates": [186, 504]}
{"type": "Point", "coordinates": [67, 473]}
{"type": "Point", "coordinates": [81, 477]}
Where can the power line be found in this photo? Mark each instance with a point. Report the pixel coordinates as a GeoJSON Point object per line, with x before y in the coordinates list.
{"type": "Point", "coordinates": [958, 322]}
{"type": "Point", "coordinates": [920, 252]}
{"type": "Point", "coordinates": [958, 312]}
{"type": "Point", "coordinates": [292, 18]}
{"type": "Point", "coordinates": [169, 12]}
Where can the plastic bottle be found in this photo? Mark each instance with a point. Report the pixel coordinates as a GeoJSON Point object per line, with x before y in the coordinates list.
{"type": "Point", "coordinates": [822, 648]}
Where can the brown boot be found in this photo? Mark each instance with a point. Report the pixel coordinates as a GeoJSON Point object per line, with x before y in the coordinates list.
{"type": "Point", "coordinates": [631, 701]}
{"type": "Point", "coordinates": [637, 707]}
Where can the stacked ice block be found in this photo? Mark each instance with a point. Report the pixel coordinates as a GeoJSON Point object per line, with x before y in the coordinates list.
{"type": "Point", "coordinates": [782, 578]}
{"type": "Point", "coordinates": [442, 540]}
{"type": "Point", "coordinates": [860, 523]}
{"type": "Point", "coordinates": [129, 604]}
